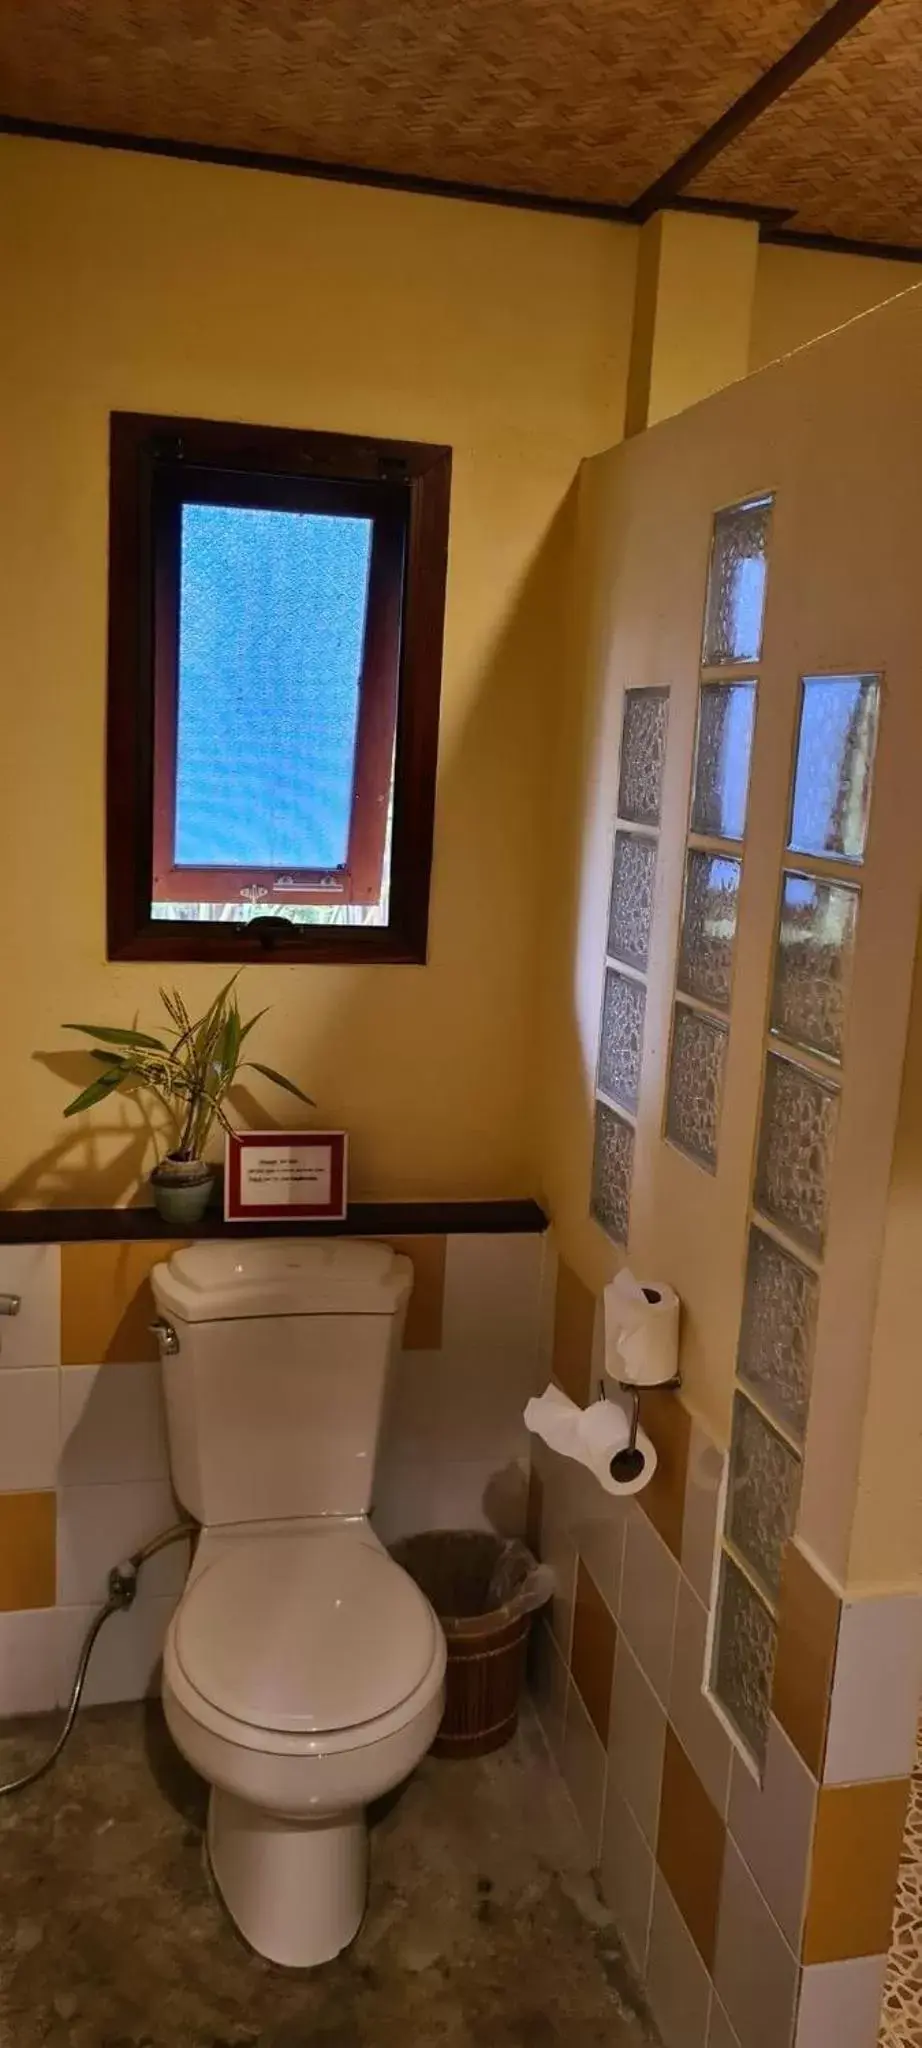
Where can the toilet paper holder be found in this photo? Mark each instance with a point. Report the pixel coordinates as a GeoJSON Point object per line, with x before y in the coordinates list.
{"type": "Point", "coordinates": [628, 1463]}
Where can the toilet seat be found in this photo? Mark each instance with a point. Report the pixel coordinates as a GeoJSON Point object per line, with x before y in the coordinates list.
{"type": "Point", "coordinates": [308, 1643]}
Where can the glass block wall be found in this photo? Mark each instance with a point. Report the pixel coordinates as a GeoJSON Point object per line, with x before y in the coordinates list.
{"type": "Point", "coordinates": [805, 1060]}
{"type": "Point", "coordinates": [731, 648]}
{"type": "Point", "coordinates": [644, 722]}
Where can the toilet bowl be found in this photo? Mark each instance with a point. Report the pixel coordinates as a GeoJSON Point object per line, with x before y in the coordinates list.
{"type": "Point", "coordinates": [303, 1677]}
{"type": "Point", "coordinates": [303, 1670]}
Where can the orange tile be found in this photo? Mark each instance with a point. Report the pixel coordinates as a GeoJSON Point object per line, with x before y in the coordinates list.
{"type": "Point", "coordinates": [574, 1320]}
{"type": "Point", "coordinates": [423, 1328]}
{"type": "Point", "coordinates": [668, 1424]}
{"type": "Point", "coordinates": [808, 1631]}
{"type": "Point", "coordinates": [690, 1849]}
{"type": "Point", "coordinates": [856, 1854]}
{"type": "Point", "coordinates": [106, 1303]}
{"type": "Point", "coordinates": [592, 1656]}
{"type": "Point", "coordinates": [534, 1510]}
{"type": "Point", "coordinates": [28, 1523]}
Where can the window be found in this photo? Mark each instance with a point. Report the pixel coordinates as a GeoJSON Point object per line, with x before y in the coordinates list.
{"type": "Point", "coordinates": [276, 602]}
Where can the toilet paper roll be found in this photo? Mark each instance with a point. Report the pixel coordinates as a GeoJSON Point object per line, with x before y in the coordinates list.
{"type": "Point", "coordinates": [641, 1331]}
{"type": "Point", "coordinates": [593, 1437]}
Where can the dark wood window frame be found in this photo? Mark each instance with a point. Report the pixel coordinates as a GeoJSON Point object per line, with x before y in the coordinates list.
{"type": "Point", "coordinates": [156, 465]}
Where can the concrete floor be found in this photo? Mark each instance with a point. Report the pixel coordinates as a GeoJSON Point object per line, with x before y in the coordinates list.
{"type": "Point", "coordinates": [484, 1927]}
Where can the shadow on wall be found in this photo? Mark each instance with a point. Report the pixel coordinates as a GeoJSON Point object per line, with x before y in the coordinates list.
{"type": "Point", "coordinates": [490, 875]}
{"type": "Point", "coordinates": [578, 872]}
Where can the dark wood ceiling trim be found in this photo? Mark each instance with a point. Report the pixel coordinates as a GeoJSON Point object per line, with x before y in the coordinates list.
{"type": "Point", "coordinates": [307, 167]}
{"type": "Point", "coordinates": [771, 219]}
{"type": "Point", "coordinates": [842, 245]}
{"type": "Point", "coordinates": [837, 22]}
{"type": "Point", "coordinates": [735, 209]}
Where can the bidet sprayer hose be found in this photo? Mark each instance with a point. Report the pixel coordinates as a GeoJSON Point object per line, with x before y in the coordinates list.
{"type": "Point", "coordinates": [123, 1586]}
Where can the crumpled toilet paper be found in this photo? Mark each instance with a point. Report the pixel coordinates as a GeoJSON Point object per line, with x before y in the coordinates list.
{"type": "Point", "coordinates": [591, 1436]}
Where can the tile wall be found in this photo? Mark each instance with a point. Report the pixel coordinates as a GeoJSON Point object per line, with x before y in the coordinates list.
{"type": "Point", "coordinates": [758, 1915]}
{"type": "Point", "coordinates": [84, 1469]}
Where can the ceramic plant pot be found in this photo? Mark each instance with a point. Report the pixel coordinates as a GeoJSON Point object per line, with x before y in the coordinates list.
{"type": "Point", "coordinates": [182, 1190]}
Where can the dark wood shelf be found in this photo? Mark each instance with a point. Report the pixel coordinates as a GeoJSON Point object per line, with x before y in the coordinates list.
{"type": "Point", "coordinates": [364, 1219]}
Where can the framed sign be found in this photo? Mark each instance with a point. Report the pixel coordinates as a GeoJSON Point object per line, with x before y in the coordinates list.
{"type": "Point", "coordinates": [282, 1176]}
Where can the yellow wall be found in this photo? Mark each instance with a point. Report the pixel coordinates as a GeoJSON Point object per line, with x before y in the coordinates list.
{"type": "Point", "coordinates": [693, 312]}
{"type": "Point", "coordinates": [139, 283]}
{"type": "Point", "coordinates": [886, 1541]}
{"type": "Point", "coordinates": [803, 293]}
{"type": "Point", "coordinates": [643, 525]}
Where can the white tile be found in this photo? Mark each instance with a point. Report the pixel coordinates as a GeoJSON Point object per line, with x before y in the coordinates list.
{"type": "Point", "coordinates": [875, 1694]}
{"type": "Point", "coordinates": [701, 1734]}
{"type": "Point", "coordinates": [33, 1337]}
{"type": "Point", "coordinates": [113, 1427]}
{"type": "Point", "coordinates": [636, 1741]}
{"type": "Point", "coordinates": [772, 1826]}
{"type": "Point", "coordinates": [649, 1593]}
{"type": "Point", "coordinates": [840, 2003]}
{"type": "Point", "coordinates": [598, 1525]}
{"type": "Point", "coordinates": [558, 1552]}
{"type": "Point", "coordinates": [29, 1428]}
{"type": "Point", "coordinates": [677, 1986]}
{"type": "Point", "coordinates": [460, 1406]}
{"type": "Point", "coordinates": [720, 2032]}
{"type": "Point", "coordinates": [125, 1664]}
{"type": "Point", "coordinates": [29, 1656]}
{"type": "Point", "coordinates": [415, 1493]}
{"type": "Point", "coordinates": [702, 1498]}
{"type": "Point", "coordinates": [583, 1763]}
{"type": "Point", "coordinates": [493, 1294]}
{"type": "Point", "coordinates": [755, 1971]}
{"type": "Point", "coordinates": [626, 1874]}
{"type": "Point", "coordinates": [549, 1680]}
{"type": "Point", "coordinates": [547, 1306]}
{"type": "Point", "coordinates": [98, 1526]}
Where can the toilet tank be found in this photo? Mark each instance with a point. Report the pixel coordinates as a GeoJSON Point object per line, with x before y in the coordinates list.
{"type": "Point", "coordinates": [275, 1356]}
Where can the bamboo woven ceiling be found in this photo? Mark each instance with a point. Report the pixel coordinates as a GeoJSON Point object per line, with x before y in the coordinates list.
{"type": "Point", "coordinates": [585, 101]}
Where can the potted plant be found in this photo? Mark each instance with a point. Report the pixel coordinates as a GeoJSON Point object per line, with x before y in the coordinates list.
{"type": "Point", "coordinates": [190, 1069]}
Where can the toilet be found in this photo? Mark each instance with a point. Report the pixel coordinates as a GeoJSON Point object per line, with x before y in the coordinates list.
{"type": "Point", "coordinates": [303, 1671]}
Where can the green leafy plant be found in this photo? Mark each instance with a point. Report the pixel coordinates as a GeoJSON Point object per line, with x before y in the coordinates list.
{"type": "Point", "coordinates": [190, 1068]}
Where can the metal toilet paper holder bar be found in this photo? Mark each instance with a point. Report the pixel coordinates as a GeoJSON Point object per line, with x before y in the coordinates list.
{"type": "Point", "coordinates": [629, 1461]}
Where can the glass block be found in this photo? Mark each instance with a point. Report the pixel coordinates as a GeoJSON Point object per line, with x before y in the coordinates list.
{"type": "Point", "coordinates": [813, 962]}
{"type": "Point", "coordinates": [630, 913]}
{"type": "Point", "coordinates": [763, 1493]}
{"type": "Point", "coordinates": [835, 765]}
{"type": "Point", "coordinates": [736, 583]}
{"type": "Point", "coordinates": [612, 1166]}
{"type": "Point", "coordinates": [775, 1354]}
{"type": "Point", "coordinates": [799, 1117]}
{"type": "Point", "coordinates": [726, 722]}
{"type": "Point", "coordinates": [695, 1083]}
{"type": "Point", "coordinates": [744, 1657]}
{"type": "Point", "coordinates": [643, 752]}
{"type": "Point", "coordinates": [708, 928]}
{"type": "Point", "coordinates": [621, 1038]}
{"type": "Point", "coordinates": [272, 610]}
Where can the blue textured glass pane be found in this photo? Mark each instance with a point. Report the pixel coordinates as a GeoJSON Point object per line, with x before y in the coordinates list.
{"type": "Point", "coordinates": [272, 625]}
{"type": "Point", "coordinates": [726, 722]}
{"type": "Point", "coordinates": [835, 761]}
{"type": "Point", "coordinates": [736, 582]}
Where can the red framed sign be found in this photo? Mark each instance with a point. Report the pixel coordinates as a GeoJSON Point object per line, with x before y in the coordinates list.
{"type": "Point", "coordinates": [284, 1176]}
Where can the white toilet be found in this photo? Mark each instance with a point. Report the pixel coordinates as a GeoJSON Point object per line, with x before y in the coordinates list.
{"type": "Point", "coordinates": [303, 1671]}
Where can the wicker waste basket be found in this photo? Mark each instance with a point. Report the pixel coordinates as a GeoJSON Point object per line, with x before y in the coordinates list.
{"type": "Point", "coordinates": [484, 1591]}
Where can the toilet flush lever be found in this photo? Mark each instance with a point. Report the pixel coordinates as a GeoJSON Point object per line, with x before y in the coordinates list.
{"type": "Point", "coordinates": [166, 1336]}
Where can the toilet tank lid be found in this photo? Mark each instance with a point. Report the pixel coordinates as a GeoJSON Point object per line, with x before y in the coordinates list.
{"type": "Point", "coordinates": [207, 1283]}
